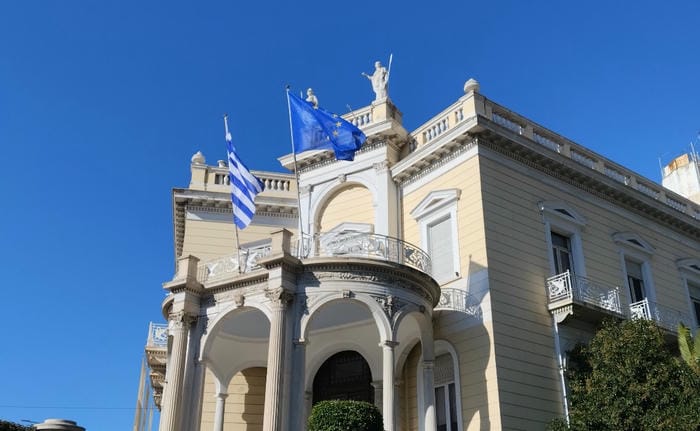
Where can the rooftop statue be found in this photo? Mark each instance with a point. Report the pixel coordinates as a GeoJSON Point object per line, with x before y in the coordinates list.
{"type": "Point", "coordinates": [379, 80]}
{"type": "Point", "coordinates": [311, 98]}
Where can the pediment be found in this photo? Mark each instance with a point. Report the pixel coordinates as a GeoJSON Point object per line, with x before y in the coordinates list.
{"type": "Point", "coordinates": [434, 201]}
{"type": "Point", "coordinates": [633, 240]}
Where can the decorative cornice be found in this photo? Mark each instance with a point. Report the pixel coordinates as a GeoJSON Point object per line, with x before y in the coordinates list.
{"type": "Point", "coordinates": [591, 181]}
{"type": "Point", "coordinates": [327, 158]}
{"type": "Point", "coordinates": [373, 272]}
{"type": "Point", "coordinates": [433, 161]}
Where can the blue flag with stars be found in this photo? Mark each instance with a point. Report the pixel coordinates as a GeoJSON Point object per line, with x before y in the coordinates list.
{"type": "Point", "coordinates": [316, 129]}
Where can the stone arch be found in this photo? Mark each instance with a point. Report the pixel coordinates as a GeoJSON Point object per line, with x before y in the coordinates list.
{"type": "Point", "coordinates": [380, 319]}
{"type": "Point", "coordinates": [315, 363]}
{"type": "Point", "coordinates": [355, 383]}
{"type": "Point", "coordinates": [425, 326]}
{"type": "Point", "coordinates": [328, 193]}
{"type": "Point", "coordinates": [222, 317]}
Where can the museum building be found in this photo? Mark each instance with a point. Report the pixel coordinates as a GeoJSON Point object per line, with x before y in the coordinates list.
{"type": "Point", "coordinates": [442, 275]}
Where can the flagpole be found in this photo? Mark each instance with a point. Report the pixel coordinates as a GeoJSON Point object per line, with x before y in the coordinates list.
{"type": "Point", "coordinates": [235, 226]}
{"type": "Point", "coordinates": [300, 243]}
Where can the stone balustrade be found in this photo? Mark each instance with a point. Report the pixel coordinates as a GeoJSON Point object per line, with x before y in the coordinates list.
{"type": "Point", "coordinates": [522, 126]}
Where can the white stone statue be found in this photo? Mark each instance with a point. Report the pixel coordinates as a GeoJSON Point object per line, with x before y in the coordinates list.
{"type": "Point", "coordinates": [380, 81]}
{"type": "Point", "coordinates": [311, 98]}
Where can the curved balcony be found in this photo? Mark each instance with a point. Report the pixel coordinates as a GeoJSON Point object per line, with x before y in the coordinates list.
{"type": "Point", "coordinates": [345, 244]}
{"type": "Point", "coordinates": [452, 299]}
{"type": "Point", "coordinates": [372, 245]}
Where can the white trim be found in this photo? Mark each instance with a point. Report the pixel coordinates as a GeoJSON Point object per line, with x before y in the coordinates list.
{"type": "Point", "coordinates": [434, 208]}
{"type": "Point", "coordinates": [560, 217]}
{"type": "Point", "coordinates": [689, 274]}
{"type": "Point", "coordinates": [634, 248]}
{"type": "Point", "coordinates": [442, 347]}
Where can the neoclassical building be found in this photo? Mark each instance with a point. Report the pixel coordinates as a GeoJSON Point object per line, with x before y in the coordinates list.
{"type": "Point", "coordinates": [442, 275]}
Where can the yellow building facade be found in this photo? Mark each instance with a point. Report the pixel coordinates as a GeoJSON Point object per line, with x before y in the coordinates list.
{"type": "Point", "coordinates": [442, 275]}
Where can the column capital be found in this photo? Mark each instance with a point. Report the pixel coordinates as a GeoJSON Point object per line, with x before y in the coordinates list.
{"type": "Point", "coordinates": [279, 296]}
{"type": "Point", "coordinates": [222, 396]}
{"type": "Point", "coordinates": [428, 365]}
{"type": "Point", "coordinates": [389, 343]}
{"type": "Point", "coordinates": [181, 319]}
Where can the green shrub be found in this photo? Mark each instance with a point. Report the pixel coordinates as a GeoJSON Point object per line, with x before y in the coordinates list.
{"type": "Point", "coordinates": [341, 415]}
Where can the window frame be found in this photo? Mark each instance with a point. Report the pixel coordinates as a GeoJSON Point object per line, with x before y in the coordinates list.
{"type": "Point", "coordinates": [633, 248]}
{"type": "Point", "coordinates": [560, 218]}
{"type": "Point", "coordinates": [690, 275]}
{"type": "Point", "coordinates": [434, 208]}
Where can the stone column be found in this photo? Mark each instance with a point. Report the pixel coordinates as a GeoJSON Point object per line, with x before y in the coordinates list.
{"type": "Point", "coordinates": [429, 395]}
{"type": "Point", "coordinates": [219, 412]}
{"type": "Point", "coordinates": [275, 384]}
{"type": "Point", "coordinates": [298, 398]}
{"type": "Point", "coordinates": [388, 393]}
{"type": "Point", "coordinates": [171, 414]}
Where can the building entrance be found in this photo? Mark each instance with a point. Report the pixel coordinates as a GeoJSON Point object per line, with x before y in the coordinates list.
{"type": "Point", "coordinates": [344, 376]}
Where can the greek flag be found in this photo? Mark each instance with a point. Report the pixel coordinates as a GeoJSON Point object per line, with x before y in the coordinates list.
{"type": "Point", "coordinates": [244, 187]}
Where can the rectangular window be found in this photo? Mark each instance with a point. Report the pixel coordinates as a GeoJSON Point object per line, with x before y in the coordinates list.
{"type": "Point", "coordinates": [446, 408]}
{"type": "Point", "coordinates": [561, 249]}
{"type": "Point", "coordinates": [440, 249]}
{"type": "Point", "coordinates": [635, 280]}
{"type": "Point", "coordinates": [694, 290]}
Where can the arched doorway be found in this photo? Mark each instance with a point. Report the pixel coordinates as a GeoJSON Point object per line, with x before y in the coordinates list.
{"type": "Point", "coordinates": [344, 376]}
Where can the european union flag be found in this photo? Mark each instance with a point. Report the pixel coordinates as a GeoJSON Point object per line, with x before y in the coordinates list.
{"type": "Point", "coordinates": [316, 129]}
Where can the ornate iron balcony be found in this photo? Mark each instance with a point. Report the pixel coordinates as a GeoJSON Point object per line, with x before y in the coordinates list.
{"type": "Point", "coordinates": [666, 317]}
{"type": "Point", "coordinates": [157, 335]}
{"type": "Point", "coordinates": [567, 288]}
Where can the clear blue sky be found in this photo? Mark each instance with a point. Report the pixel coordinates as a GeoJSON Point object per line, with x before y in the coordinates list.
{"type": "Point", "coordinates": [102, 104]}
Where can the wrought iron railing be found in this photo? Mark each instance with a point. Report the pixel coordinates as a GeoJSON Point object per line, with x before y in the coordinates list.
{"type": "Point", "coordinates": [359, 244]}
{"type": "Point", "coordinates": [665, 317]}
{"type": "Point", "coordinates": [329, 244]}
{"type": "Point", "coordinates": [157, 335]}
{"type": "Point", "coordinates": [459, 300]}
{"type": "Point", "coordinates": [576, 288]}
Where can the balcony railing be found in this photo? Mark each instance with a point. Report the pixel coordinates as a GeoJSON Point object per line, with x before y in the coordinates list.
{"type": "Point", "coordinates": [157, 335]}
{"type": "Point", "coordinates": [571, 287]}
{"type": "Point", "coordinates": [459, 300]}
{"type": "Point", "coordinates": [665, 317]}
{"type": "Point", "coordinates": [359, 244]}
{"type": "Point", "coordinates": [350, 244]}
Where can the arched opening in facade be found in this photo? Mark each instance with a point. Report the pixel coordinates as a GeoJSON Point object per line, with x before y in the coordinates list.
{"type": "Point", "coordinates": [235, 354]}
{"type": "Point", "coordinates": [352, 204]}
{"type": "Point", "coordinates": [344, 376]}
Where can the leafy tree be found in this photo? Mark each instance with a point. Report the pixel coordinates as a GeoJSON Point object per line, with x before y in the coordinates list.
{"type": "Point", "coordinates": [11, 426]}
{"type": "Point", "coordinates": [341, 415]}
{"type": "Point", "coordinates": [627, 379]}
{"type": "Point", "coordinates": [689, 348]}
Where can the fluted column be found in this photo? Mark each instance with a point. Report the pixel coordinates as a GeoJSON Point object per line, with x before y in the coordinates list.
{"type": "Point", "coordinates": [219, 412]}
{"type": "Point", "coordinates": [298, 402]}
{"type": "Point", "coordinates": [388, 392]}
{"type": "Point", "coordinates": [429, 395]}
{"type": "Point", "coordinates": [170, 415]}
{"type": "Point", "coordinates": [275, 384]}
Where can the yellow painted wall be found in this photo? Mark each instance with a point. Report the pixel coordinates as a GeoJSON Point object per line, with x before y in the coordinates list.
{"type": "Point", "coordinates": [351, 204]}
{"type": "Point", "coordinates": [519, 263]}
{"type": "Point", "coordinates": [470, 220]}
{"type": "Point", "coordinates": [479, 385]}
{"type": "Point", "coordinates": [244, 405]}
{"type": "Point", "coordinates": [209, 239]}
{"type": "Point", "coordinates": [409, 399]}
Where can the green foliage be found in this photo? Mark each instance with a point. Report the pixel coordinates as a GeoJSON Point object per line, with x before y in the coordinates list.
{"type": "Point", "coordinates": [341, 415]}
{"type": "Point", "coordinates": [627, 379]}
{"type": "Point", "coordinates": [11, 426]}
{"type": "Point", "coordinates": [689, 348]}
